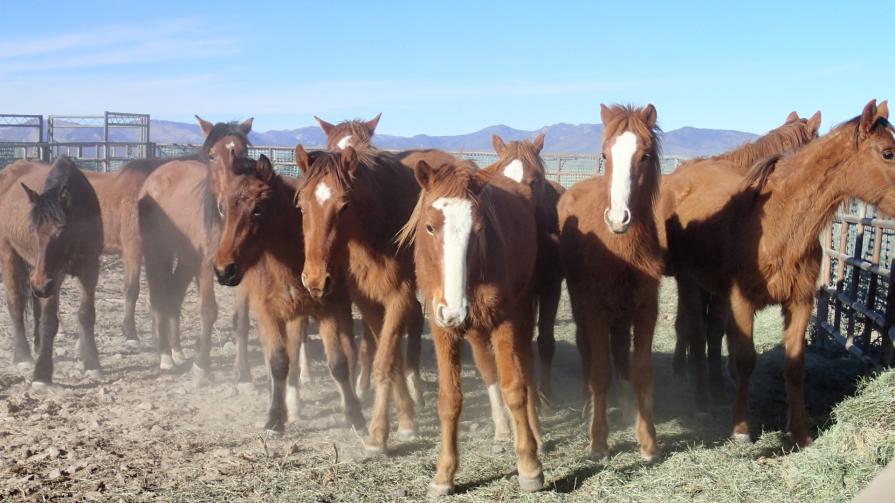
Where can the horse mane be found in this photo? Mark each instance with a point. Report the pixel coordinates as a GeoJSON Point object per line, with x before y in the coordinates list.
{"type": "Point", "coordinates": [758, 175]}
{"type": "Point", "coordinates": [516, 150]}
{"type": "Point", "coordinates": [778, 140]}
{"type": "Point", "coordinates": [458, 179]}
{"type": "Point", "coordinates": [221, 130]}
{"type": "Point", "coordinates": [47, 207]}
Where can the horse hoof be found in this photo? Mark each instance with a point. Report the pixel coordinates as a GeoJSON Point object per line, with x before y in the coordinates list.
{"type": "Point", "coordinates": [741, 438]}
{"type": "Point", "coordinates": [531, 484]}
{"type": "Point", "coordinates": [405, 435]}
{"type": "Point", "coordinates": [245, 388]}
{"type": "Point", "coordinates": [132, 343]}
{"type": "Point", "coordinates": [502, 436]}
{"type": "Point", "coordinates": [372, 451]}
{"type": "Point", "coordinates": [599, 456]}
{"type": "Point", "coordinates": [95, 374]}
{"type": "Point", "coordinates": [650, 457]}
{"type": "Point", "coordinates": [178, 357]}
{"type": "Point", "coordinates": [166, 362]}
{"type": "Point", "coordinates": [273, 432]}
{"type": "Point", "coordinates": [200, 376]}
{"type": "Point", "coordinates": [440, 490]}
{"type": "Point", "coordinates": [40, 385]}
{"type": "Point", "coordinates": [24, 366]}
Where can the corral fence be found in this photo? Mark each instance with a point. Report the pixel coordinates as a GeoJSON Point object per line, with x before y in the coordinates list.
{"type": "Point", "coordinates": [855, 303]}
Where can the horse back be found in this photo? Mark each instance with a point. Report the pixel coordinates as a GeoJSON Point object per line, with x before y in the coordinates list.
{"type": "Point", "coordinates": [172, 205]}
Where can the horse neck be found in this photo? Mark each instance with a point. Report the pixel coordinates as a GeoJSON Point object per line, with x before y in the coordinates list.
{"type": "Point", "coordinates": [812, 185]}
{"type": "Point", "coordinates": [282, 241]}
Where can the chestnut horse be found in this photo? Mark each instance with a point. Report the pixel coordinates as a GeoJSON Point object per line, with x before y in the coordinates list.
{"type": "Point", "coordinates": [521, 162]}
{"type": "Point", "coordinates": [261, 247]}
{"type": "Point", "coordinates": [179, 223]}
{"type": "Point", "coordinates": [702, 317]}
{"type": "Point", "coordinates": [353, 203]}
{"type": "Point", "coordinates": [755, 240]}
{"type": "Point", "coordinates": [475, 248]}
{"type": "Point", "coordinates": [57, 232]}
{"type": "Point", "coordinates": [613, 261]}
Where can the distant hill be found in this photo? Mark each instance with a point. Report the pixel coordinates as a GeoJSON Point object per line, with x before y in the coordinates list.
{"type": "Point", "coordinates": [564, 138]}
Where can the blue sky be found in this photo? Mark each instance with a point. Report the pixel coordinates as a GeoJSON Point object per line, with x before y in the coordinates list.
{"type": "Point", "coordinates": [449, 68]}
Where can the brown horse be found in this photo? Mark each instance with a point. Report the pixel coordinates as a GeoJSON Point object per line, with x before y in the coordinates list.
{"type": "Point", "coordinates": [755, 240]}
{"type": "Point", "coordinates": [117, 193]}
{"type": "Point", "coordinates": [521, 162]}
{"type": "Point", "coordinates": [261, 247]}
{"type": "Point", "coordinates": [57, 232]}
{"type": "Point", "coordinates": [613, 261]}
{"type": "Point", "coordinates": [353, 203]}
{"type": "Point", "coordinates": [475, 248]}
{"type": "Point", "coordinates": [179, 224]}
{"type": "Point", "coordinates": [702, 317]}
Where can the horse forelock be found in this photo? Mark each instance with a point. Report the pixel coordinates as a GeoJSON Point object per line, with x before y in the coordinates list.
{"type": "Point", "coordinates": [627, 118]}
{"type": "Point", "coordinates": [357, 129]}
{"type": "Point", "coordinates": [222, 130]}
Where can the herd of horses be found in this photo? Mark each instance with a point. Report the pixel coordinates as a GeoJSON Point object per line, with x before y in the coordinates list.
{"type": "Point", "coordinates": [486, 248]}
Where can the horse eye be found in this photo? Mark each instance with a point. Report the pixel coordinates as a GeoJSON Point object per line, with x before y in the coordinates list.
{"type": "Point", "coordinates": [430, 229]}
{"type": "Point", "coordinates": [888, 155]}
{"type": "Point", "coordinates": [256, 212]}
{"type": "Point", "coordinates": [220, 209]}
{"type": "Point", "coordinates": [646, 157]}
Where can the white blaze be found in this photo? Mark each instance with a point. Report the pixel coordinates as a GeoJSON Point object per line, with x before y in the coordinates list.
{"type": "Point", "coordinates": [344, 142]}
{"type": "Point", "coordinates": [231, 145]}
{"type": "Point", "coordinates": [457, 227]}
{"type": "Point", "coordinates": [513, 170]}
{"type": "Point", "coordinates": [620, 186]}
{"type": "Point", "coordinates": [322, 193]}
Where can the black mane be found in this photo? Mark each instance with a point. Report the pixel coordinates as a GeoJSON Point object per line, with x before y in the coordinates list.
{"type": "Point", "coordinates": [221, 130]}
{"type": "Point", "coordinates": [48, 206]}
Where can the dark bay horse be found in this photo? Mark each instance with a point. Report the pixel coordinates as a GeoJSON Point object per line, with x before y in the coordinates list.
{"type": "Point", "coordinates": [702, 317]}
{"type": "Point", "coordinates": [55, 233]}
{"type": "Point", "coordinates": [613, 262]}
{"type": "Point", "coordinates": [179, 227]}
{"type": "Point", "coordinates": [353, 203]}
{"type": "Point", "coordinates": [475, 248]}
{"type": "Point", "coordinates": [521, 161]}
{"type": "Point", "coordinates": [755, 240]}
{"type": "Point", "coordinates": [261, 247]}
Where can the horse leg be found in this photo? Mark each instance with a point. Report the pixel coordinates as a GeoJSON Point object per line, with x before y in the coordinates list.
{"type": "Point", "coordinates": [49, 326]}
{"type": "Point", "coordinates": [510, 349]}
{"type": "Point", "coordinates": [620, 344]}
{"type": "Point", "coordinates": [131, 257]}
{"type": "Point", "coordinates": [296, 331]}
{"type": "Point", "coordinates": [15, 279]}
{"type": "Point", "coordinates": [241, 325]}
{"type": "Point", "coordinates": [548, 304]}
{"type": "Point", "coordinates": [717, 322]}
{"type": "Point", "coordinates": [484, 361]}
{"type": "Point", "coordinates": [644, 328]}
{"type": "Point", "coordinates": [276, 355]}
{"type": "Point", "coordinates": [691, 329]}
{"type": "Point", "coordinates": [450, 403]}
{"type": "Point", "coordinates": [583, 344]}
{"type": "Point", "coordinates": [367, 351]}
{"type": "Point", "coordinates": [524, 335]}
{"type": "Point", "coordinates": [413, 350]}
{"type": "Point", "coordinates": [796, 317]}
{"type": "Point", "coordinates": [87, 321]}
{"type": "Point", "coordinates": [600, 376]}
{"type": "Point", "coordinates": [158, 275]}
{"type": "Point", "coordinates": [332, 332]}
{"type": "Point", "coordinates": [180, 282]}
{"type": "Point", "coordinates": [35, 316]}
{"type": "Point", "coordinates": [209, 310]}
{"type": "Point", "coordinates": [743, 314]}
{"type": "Point", "coordinates": [304, 361]}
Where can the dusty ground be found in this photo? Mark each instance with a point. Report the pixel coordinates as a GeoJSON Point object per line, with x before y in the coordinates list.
{"type": "Point", "coordinates": [141, 435]}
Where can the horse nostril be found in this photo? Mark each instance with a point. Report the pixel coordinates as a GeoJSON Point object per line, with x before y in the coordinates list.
{"type": "Point", "coordinates": [327, 283]}
{"type": "Point", "coordinates": [304, 280]}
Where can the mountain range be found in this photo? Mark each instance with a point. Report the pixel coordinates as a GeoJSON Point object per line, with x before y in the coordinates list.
{"type": "Point", "coordinates": [560, 138]}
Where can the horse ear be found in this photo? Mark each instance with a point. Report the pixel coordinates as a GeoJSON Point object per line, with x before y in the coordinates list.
{"type": "Point", "coordinates": [882, 111]}
{"type": "Point", "coordinates": [349, 159]}
{"type": "Point", "coordinates": [539, 142]}
{"type": "Point", "coordinates": [605, 114]}
{"type": "Point", "coordinates": [372, 123]}
{"type": "Point", "coordinates": [246, 126]}
{"type": "Point", "coordinates": [32, 195]}
{"type": "Point", "coordinates": [648, 114]}
{"type": "Point", "coordinates": [498, 144]}
{"type": "Point", "coordinates": [425, 174]}
{"type": "Point", "coordinates": [325, 126]}
{"type": "Point", "coordinates": [204, 125]}
{"type": "Point", "coordinates": [792, 117]}
{"type": "Point", "coordinates": [868, 118]}
{"type": "Point", "coordinates": [814, 121]}
{"type": "Point", "coordinates": [302, 160]}
{"type": "Point", "coordinates": [264, 168]}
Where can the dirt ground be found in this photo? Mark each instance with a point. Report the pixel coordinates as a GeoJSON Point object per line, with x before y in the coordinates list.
{"type": "Point", "coordinates": [139, 434]}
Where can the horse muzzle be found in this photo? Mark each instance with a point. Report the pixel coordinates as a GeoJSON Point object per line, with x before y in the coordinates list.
{"type": "Point", "coordinates": [229, 275]}
{"type": "Point", "coordinates": [448, 317]}
{"type": "Point", "coordinates": [42, 288]}
{"type": "Point", "coordinates": [618, 220]}
{"type": "Point", "coordinates": [318, 285]}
